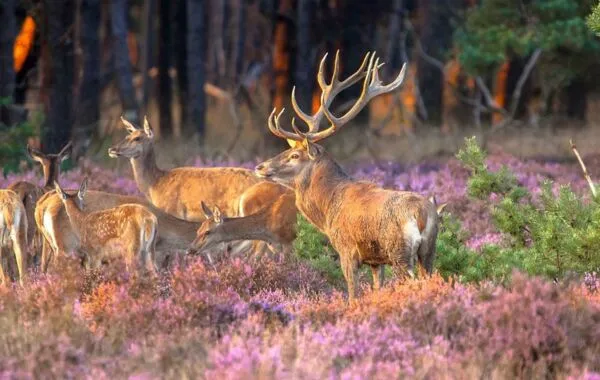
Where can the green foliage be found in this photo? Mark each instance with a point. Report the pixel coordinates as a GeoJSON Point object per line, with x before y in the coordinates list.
{"type": "Point", "coordinates": [312, 246]}
{"type": "Point", "coordinates": [593, 20]}
{"type": "Point", "coordinates": [483, 182]}
{"type": "Point", "coordinates": [455, 259]}
{"type": "Point", "coordinates": [12, 147]}
{"type": "Point", "coordinates": [497, 30]}
{"type": "Point", "coordinates": [551, 236]}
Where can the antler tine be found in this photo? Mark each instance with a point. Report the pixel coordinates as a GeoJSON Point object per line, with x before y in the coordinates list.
{"type": "Point", "coordinates": [331, 89]}
{"type": "Point", "coordinates": [372, 87]}
{"type": "Point", "coordinates": [275, 127]}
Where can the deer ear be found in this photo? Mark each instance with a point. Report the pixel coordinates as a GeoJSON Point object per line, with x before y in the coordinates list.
{"type": "Point", "coordinates": [82, 188]}
{"type": "Point", "coordinates": [128, 125]}
{"type": "Point", "coordinates": [314, 150]}
{"type": "Point", "coordinates": [65, 152]}
{"type": "Point", "coordinates": [207, 212]}
{"type": "Point", "coordinates": [59, 190]}
{"type": "Point", "coordinates": [148, 128]}
{"type": "Point", "coordinates": [217, 216]}
{"type": "Point", "coordinates": [292, 143]}
{"type": "Point", "coordinates": [441, 208]}
{"type": "Point", "coordinates": [34, 154]}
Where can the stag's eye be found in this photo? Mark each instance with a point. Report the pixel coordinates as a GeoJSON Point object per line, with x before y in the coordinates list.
{"type": "Point", "coordinates": [294, 156]}
{"type": "Point", "coordinates": [137, 138]}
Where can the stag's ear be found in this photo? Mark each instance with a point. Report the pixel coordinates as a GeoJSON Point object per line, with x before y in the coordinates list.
{"type": "Point", "coordinates": [148, 128]}
{"type": "Point", "coordinates": [66, 151]}
{"type": "Point", "coordinates": [82, 188]}
{"type": "Point", "coordinates": [60, 191]}
{"type": "Point", "coordinates": [35, 154]}
{"type": "Point", "coordinates": [207, 212]}
{"type": "Point", "coordinates": [292, 143]}
{"type": "Point", "coordinates": [217, 216]}
{"type": "Point", "coordinates": [314, 151]}
{"type": "Point", "coordinates": [128, 125]}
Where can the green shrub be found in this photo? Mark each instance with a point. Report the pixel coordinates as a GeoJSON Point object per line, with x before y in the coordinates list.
{"type": "Point", "coordinates": [551, 236]}
{"type": "Point", "coordinates": [12, 146]}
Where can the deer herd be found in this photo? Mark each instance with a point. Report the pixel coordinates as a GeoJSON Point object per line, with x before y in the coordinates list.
{"type": "Point", "coordinates": [195, 209]}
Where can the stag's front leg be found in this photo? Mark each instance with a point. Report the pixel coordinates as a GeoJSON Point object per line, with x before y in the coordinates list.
{"type": "Point", "coordinates": [378, 274]}
{"type": "Point", "coordinates": [350, 267]}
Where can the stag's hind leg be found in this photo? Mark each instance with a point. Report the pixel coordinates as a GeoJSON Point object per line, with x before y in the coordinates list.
{"type": "Point", "coordinates": [350, 267]}
{"type": "Point", "coordinates": [378, 274]}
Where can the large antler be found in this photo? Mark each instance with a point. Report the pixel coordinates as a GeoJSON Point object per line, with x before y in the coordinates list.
{"type": "Point", "coordinates": [372, 87]}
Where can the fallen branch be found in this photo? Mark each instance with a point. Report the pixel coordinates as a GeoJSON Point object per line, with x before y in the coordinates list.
{"type": "Point", "coordinates": [586, 175]}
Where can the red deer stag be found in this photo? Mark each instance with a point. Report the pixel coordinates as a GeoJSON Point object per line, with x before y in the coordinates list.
{"type": "Point", "coordinates": [131, 225]}
{"type": "Point", "coordinates": [365, 224]}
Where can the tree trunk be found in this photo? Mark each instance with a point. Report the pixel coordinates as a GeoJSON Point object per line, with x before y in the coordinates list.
{"type": "Point", "coordinates": [305, 78]}
{"type": "Point", "coordinates": [164, 80]}
{"type": "Point", "coordinates": [196, 48]}
{"type": "Point", "coordinates": [281, 54]}
{"type": "Point", "coordinates": [8, 32]}
{"type": "Point", "coordinates": [148, 52]}
{"type": "Point", "coordinates": [87, 111]}
{"type": "Point", "coordinates": [396, 28]}
{"type": "Point", "coordinates": [60, 18]}
{"type": "Point", "coordinates": [436, 37]}
{"type": "Point", "coordinates": [180, 55]}
{"type": "Point", "coordinates": [239, 45]}
{"type": "Point", "coordinates": [123, 71]}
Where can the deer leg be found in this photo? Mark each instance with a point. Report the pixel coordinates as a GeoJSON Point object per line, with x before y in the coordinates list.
{"type": "Point", "coordinates": [350, 269]}
{"type": "Point", "coordinates": [2, 264]}
{"type": "Point", "coordinates": [378, 274]}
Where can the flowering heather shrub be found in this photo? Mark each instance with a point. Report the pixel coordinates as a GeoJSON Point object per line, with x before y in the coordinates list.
{"type": "Point", "coordinates": [262, 318]}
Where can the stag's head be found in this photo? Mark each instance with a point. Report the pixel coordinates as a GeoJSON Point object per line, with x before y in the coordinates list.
{"type": "Point", "coordinates": [304, 150]}
{"type": "Point", "coordinates": [208, 234]}
{"type": "Point", "coordinates": [136, 143]}
{"type": "Point", "coordinates": [76, 199]}
{"type": "Point", "coordinates": [50, 162]}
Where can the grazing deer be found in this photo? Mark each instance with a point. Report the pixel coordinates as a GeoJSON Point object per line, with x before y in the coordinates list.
{"type": "Point", "coordinates": [52, 219]}
{"type": "Point", "coordinates": [30, 193]}
{"type": "Point", "coordinates": [13, 226]}
{"type": "Point", "coordinates": [132, 225]}
{"type": "Point", "coordinates": [274, 223]}
{"type": "Point", "coordinates": [178, 191]}
{"type": "Point", "coordinates": [365, 223]}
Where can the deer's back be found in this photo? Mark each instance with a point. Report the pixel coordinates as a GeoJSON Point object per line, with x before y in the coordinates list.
{"type": "Point", "coordinates": [180, 190]}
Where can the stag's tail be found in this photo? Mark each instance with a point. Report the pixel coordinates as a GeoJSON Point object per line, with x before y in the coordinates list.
{"type": "Point", "coordinates": [426, 251]}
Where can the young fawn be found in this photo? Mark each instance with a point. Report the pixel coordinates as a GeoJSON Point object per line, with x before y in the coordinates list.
{"type": "Point", "coordinates": [274, 224]}
{"type": "Point", "coordinates": [365, 223]}
{"type": "Point", "coordinates": [132, 225]}
{"type": "Point", "coordinates": [13, 229]}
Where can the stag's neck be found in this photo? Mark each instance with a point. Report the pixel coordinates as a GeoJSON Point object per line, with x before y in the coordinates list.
{"type": "Point", "coordinates": [76, 217]}
{"type": "Point", "coordinates": [145, 170]}
{"type": "Point", "coordinates": [318, 190]}
{"type": "Point", "coordinates": [250, 227]}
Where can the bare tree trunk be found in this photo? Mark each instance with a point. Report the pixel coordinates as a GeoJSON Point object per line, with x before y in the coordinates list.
{"type": "Point", "coordinates": [147, 52]}
{"type": "Point", "coordinates": [87, 113]}
{"type": "Point", "coordinates": [196, 48]}
{"type": "Point", "coordinates": [118, 23]}
{"type": "Point", "coordinates": [180, 55]}
{"type": "Point", "coordinates": [396, 28]}
{"type": "Point", "coordinates": [304, 65]}
{"type": "Point", "coordinates": [281, 54]}
{"type": "Point", "coordinates": [60, 18]}
{"type": "Point", "coordinates": [8, 32]}
{"type": "Point", "coordinates": [239, 46]}
{"type": "Point", "coordinates": [164, 80]}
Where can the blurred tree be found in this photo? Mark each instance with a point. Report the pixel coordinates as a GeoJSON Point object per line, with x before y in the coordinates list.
{"type": "Point", "coordinates": [500, 30]}
{"type": "Point", "coordinates": [59, 73]}
{"type": "Point", "coordinates": [87, 111]}
{"type": "Point", "coordinates": [180, 55]}
{"type": "Point", "coordinates": [118, 24]}
{"type": "Point", "coordinates": [304, 78]}
{"type": "Point", "coordinates": [282, 53]}
{"type": "Point", "coordinates": [593, 20]}
{"type": "Point", "coordinates": [196, 56]}
{"type": "Point", "coordinates": [239, 43]}
{"type": "Point", "coordinates": [8, 32]}
{"type": "Point", "coordinates": [164, 63]}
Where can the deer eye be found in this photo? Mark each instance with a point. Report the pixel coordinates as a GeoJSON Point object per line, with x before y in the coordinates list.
{"type": "Point", "coordinates": [295, 156]}
{"type": "Point", "coordinates": [137, 138]}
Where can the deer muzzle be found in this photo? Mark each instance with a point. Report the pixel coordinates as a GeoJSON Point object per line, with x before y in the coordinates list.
{"type": "Point", "coordinates": [112, 152]}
